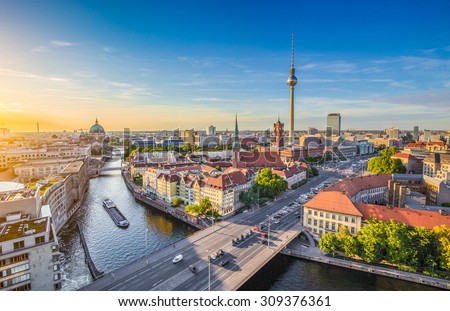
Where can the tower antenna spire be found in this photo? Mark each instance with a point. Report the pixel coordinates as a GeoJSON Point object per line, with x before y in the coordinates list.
{"type": "Point", "coordinates": [292, 65]}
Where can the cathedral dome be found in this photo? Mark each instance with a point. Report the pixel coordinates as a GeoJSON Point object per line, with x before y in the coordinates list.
{"type": "Point", "coordinates": [96, 128]}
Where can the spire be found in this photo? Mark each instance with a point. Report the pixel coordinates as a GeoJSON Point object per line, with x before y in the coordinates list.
{"type": "Point", "coordinates": [292, 64]}
{"type": "Point", "coordinates": [96, 121]}
{"type": "Point", "coordinates": [278, 117]}
{"type": "Point", "coordinates": [236, 145]}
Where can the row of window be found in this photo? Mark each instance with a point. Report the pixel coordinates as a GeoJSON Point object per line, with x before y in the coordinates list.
{"type": "Point", "coordinates": [15, 270]}
{"type": "Point", "coordinates": [331, 228]}
{"type": "Point", "coordinates": [333, 216]}
{"type": "Point", "coordinates": [16, 280]}
{"type": "Point", "coordinates": [11, 260]}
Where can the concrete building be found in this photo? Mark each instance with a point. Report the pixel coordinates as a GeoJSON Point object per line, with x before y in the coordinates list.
{"type": "Point", "coordinates": [333, 124]}
{"type": "Point", "coordinates": [416, 133]}
{"type": "Point", "coordinates": [393, 132]}
{"type": "Point", "coordinates": [29, 254]}
{"type": "Point", "coordinates": [293, 174]}
{"type": "Point", "coordinates": [437, 165]}
{"type": "Point", "coordinates": [64, 193]}
{"type": "Point", "coordinates": [329, 210]}
{"type": "Point", "coordinates": [412, 164]}
{"type": "Point", "coordinates": [312, 130]}
{"type": "Point", "coordinates": [364, 147]}
{"type": "Point", "coordinates": [4, 132]}
{"type": "Point", "coordinates": [188, 136]}
{"type": "Point", "coordinates": [38, 169]}
{"type": "Point", "coordinates": [211, 131]}
{"type": "Point", "coordinates": [3, 163]}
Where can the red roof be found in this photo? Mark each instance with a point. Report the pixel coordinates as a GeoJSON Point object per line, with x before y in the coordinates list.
{"type": "Point", "coordinates": [403, 155]}
{"type": "Point", "coordinates": [169, 178]}
{"type": "Point", "coordinates": [351, 186]}
{"type": "Point", "coordinates": [411, 217]}
{"type": "Point", "coordinates": [333, 201]}
{"type": "Point", "coordinates": [225, 181]}
{"type": "Point", "coordinates": [289, 172]}
{"type": "Point", "coordinates": [260, 159]}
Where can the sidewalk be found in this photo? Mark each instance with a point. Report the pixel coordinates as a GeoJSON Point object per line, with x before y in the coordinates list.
{"type": "Point", "coordinates": [299, 250]}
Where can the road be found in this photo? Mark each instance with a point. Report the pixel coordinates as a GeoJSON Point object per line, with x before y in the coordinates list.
{"type": "Point", "coordinates": [159, 273]}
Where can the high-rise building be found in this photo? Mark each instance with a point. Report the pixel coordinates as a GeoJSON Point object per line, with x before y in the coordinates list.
{"type": "Point", "coordinates": [416, 133]}
{"type": "Point", "coordinates": [188, 136]}
{"type": "Point", "coordinates": [426, 135]}
{"type": "Point", "coordinates": [211, 130]}
{"type": "Point", "coordinates": [292, 82]}
{"type": "Point", "coordinates": [333, 124]}
{"type": "Point", "coordinates": [4, 133]}
{"type": "Point", "coordinates": [312, 130]}
{"type": "Point", "coordinates": [278, 130]}
{"type": "Point", "coordinates": [393, 132]}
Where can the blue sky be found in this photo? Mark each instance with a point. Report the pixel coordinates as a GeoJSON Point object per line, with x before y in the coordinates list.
{"type": "Point", "coordinates": [184, 64]}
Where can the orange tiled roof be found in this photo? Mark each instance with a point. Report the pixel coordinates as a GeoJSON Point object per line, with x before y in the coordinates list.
{"type": "Point", "coordinates": [333, 201]}
{"type": "Point", "coordinates": [411, 217]}
{"type": "Point", "coordinates": [351, 186]}
{"type": "Point", "coordinates": [225, 181]}
{"type": "Point", "coordinates": [260, 159]}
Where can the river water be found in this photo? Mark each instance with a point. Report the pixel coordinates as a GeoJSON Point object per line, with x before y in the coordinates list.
{"type": "Point", "coordinates": [150, 230]}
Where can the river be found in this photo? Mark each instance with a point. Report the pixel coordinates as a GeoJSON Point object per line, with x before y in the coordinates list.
{"type": "Point", "coordinates": [150, 230]}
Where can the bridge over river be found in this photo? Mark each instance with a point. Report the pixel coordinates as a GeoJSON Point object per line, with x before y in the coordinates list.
{"type": "Point", "coordinates": [157, 272]}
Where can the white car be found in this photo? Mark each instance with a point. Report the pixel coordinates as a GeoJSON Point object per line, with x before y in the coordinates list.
{"type": "Point", "coordinates": [177, 258]}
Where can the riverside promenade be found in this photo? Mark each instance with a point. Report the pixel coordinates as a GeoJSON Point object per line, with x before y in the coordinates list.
{"type": "Point", "coordinates": [313, 253]}
{"type": "Point", "coordinates": [178, 213]}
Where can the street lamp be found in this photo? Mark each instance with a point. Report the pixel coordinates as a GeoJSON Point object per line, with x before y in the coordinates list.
{"type": "Point", "coordinates": [209, 271]}
{"type": "Point", "coordinates": [146, 244]}
{"type": "Point", "coordinates": [268, 232]}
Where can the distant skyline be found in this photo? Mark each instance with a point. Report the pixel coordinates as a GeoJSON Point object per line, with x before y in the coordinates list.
{"type": "Point", "coordinates": [154, 65]}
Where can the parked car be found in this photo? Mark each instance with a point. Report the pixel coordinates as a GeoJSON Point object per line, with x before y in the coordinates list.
{"type": "Point", "coordinates": [193, 268]}
{"type": "Point", "coordinates": [223, 263]}
{"type": "Point", "coordinates": [220, 252]}
{"type": "Point", "coordinates": [177, 258]}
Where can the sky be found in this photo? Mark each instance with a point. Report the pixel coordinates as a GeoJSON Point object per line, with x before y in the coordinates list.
{"type": "Point", "coordinates": [153, 65]}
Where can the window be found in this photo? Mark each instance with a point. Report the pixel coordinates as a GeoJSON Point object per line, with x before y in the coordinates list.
{"type": "Point", "coordinates": [327, 215]}
{"type": "Point", "coordinates": [352, 230]}
{"type": "Point", "coordinates": [339, 217]}
{"type": "Point", "coordinates": [333, 227]}
{"type": "Point", "coordinates": [309, 212]}
{"type": "Point", "coordinates": [39, 239]}
{"type": "Point", "coordinates": [309, 221]}
{"type": "Point", "coordinates": [321, 214]}
{"type": "Point", "coordinates": [56, 276]}
{"type": "Point", "coordinates": [20, 268]}
{"type": "Point", "coordinates": [55, 267]}
{"type": "Point", "coordinates": [353, 219]}
{"type": "Point", "coordinates": [19, 245]}
{"type": "Point", "coordinates": [333, 216]}
{"type": "Point", "coordinates": [1, 251]}
{"type": "Point", "coordinates": [315, 213]}
{"type": "Point", "coordinates": [346, 218]}
{"type": "Point", "coordinates": [315, 222]}
{"type": "Point", "coordinates": [327, 225]}
{"type": "Point", "coordinates": [21, 278]}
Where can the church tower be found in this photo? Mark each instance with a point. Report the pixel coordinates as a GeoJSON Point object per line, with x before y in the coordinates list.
{"type": "Point", "coordinates": [278, 130]}
{"type": "Point", "coordinates": [236, 144]}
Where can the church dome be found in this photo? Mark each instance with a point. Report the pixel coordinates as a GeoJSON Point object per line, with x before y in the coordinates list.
{"type": "Point", "coordinates": [96, 128]}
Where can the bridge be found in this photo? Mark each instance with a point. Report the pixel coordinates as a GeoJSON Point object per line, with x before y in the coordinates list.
{"type": "Point", "coordinates": [106, 169]}
{"type": "Point", "coordinates": [157, 272]}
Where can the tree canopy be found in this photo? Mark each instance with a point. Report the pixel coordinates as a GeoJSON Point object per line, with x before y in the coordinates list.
{"type": "Point", "coordinates": [385, 164]}
{"type": "Point", "coordinates": [270, 185]}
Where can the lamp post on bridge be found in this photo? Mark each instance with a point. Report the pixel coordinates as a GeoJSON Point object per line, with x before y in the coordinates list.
{"type": "Point", "coordinates": [209, 270]}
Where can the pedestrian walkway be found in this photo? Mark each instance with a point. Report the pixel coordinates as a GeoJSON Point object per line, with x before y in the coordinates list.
{"type": "Point", "coordinates": [300, 249]}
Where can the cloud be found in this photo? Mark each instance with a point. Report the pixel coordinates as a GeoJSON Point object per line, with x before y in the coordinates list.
{"type": "Point", "coordinates": [40, 49]}
{"type": "Point", "coordinates": [59, 43]}
{"type": "Point", "coordinates": [120, 84]}
{"type": "Point", "coordinates": [447, 84]}
{"type": "Point", "coordinates": [213, 99]}
{"type": "Point", "coordinates": [85, 74]}
{"type": "Point", "coordinates": [10, 107]}
{"type": "Point", "coordinates": [21, 74]}
{"type": "Point", "coordinates": [201, 62]}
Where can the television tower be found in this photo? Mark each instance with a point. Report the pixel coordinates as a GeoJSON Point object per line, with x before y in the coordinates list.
{"type": "Point", "coordinates": [292, 82]}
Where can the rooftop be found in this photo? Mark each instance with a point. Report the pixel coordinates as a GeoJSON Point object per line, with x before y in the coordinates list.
{"type": "Point", "coordinates": [352, 186]}
{"type": "Point", "coordinates": [7, 186]}
{"type": "Point", "coordinates": [410, 217]}
{"type": "Point", "coordinates": [73, 167]}
{"type": "Point", "coordinates": [24, 228]}
{"type": "Point", "coordinates": [333, 201]}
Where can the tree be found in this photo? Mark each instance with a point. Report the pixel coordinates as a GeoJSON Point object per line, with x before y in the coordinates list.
{"type": "Point", "coordinates": [443, 246]}
{"type": "Point", "coordinates": [193, 209]}
{"type": "Point", "coordinates": [270, 185]}
{"type": "Point", "coordinates": [398, 243]}
{"type": "Point", "coordinates": [385, 164]}
{"type": "Point", "coordinates": [329, 243]}
{"type": "Point", "coordinates": [423, 245]}
{"type": "Point", "coordinates": [371, 241]}
{"type": "Point", "coordinates": [346, 241]}
{"type": "Point", "coordinates": [177, 202]}
{"type": "Point", "coordinates": [218, 167]}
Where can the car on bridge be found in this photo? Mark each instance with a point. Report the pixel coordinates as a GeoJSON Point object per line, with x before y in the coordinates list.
{"type": "Point", "coordinates": [193, 269]}
{"type": "Point", "coordinates": [177, 258]}
{"type": "Point", "coordinates": [223, 263]}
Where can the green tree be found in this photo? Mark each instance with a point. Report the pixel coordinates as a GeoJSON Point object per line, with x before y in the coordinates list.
{"type": "Point", "coordinates": [371, 241]}
{"type": "Point", "coordinates": [347, 242]}
{"type": "Point", "coordinates": [423, 248]}
{"type": "Point", "coordinates": [270, 185]}
{"type": "Point", "coordinates": [443, 246]}
{"type": "Point", "coordinates": [329, 243]}
{"type": "Point", "coordinates": [193, 209]}
{"type": "Point", "coordinates": [398, 243]}
{"type": "Point", "coordinates": [177, 201]}
{"type": "Point", "coordinates": [385, 164]}
{"type": "Point", "coordinates": [218, 168]}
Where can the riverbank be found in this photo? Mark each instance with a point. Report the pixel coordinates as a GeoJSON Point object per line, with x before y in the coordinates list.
{"type": "Point", "coordinates": [161, 205]}
{"type": "Point", "coordinates": [299, 250]}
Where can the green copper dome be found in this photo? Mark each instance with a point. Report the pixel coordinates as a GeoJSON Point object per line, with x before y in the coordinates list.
{"type": "Point", "coordinates": [96, 128]}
